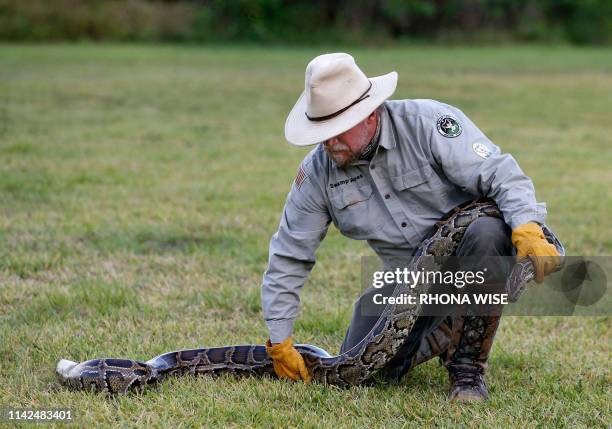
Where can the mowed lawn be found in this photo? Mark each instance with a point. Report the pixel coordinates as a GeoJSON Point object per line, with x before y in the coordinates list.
{"type": "Point", "coordinates": [139, 188]}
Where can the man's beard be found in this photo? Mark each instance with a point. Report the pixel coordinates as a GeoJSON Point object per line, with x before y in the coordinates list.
{"type": "Point", "coordinates": [345, 157]}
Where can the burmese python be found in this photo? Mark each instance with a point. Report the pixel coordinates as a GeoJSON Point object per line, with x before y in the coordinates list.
{"type": "Point", "coordinates": [353, 367]}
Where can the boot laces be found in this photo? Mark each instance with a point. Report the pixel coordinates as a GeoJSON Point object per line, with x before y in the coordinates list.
{"type": "Point", "coordinates": [466, 375]}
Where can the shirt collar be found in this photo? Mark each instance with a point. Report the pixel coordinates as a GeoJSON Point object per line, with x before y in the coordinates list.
{"type": "Point", "coordinates": [387, 136]}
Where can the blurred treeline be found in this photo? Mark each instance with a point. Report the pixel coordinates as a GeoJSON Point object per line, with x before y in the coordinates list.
{"type": "Point", "coordinates": [308, 21]}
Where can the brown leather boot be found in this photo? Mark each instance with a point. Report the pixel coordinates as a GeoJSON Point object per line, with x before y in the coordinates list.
{"type": "Point", "coordinates": [466, 358]}
{"type": "Point", "coordinates": [434, 344]}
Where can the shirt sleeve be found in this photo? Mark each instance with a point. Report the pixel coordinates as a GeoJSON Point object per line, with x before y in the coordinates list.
{"type": "Point", "coordinates": [302, 227]}
{"type": "Point", "coordinates": [473, 162]}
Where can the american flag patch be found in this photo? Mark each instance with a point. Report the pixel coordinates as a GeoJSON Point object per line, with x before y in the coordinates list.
{"type": "Point", "coordinates": [300, 177]}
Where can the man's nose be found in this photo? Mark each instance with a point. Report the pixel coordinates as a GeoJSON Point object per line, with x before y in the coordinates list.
{"type": "Point", "coordinates": [330, 142]}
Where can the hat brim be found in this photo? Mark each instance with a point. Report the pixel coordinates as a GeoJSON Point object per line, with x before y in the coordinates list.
{"type": "Point", "coordinates": [301, 131]}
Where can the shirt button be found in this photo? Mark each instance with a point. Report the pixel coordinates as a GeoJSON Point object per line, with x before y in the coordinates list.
{"type": "Point", "coordinates": [387, 196]}
{"type": "Point", "coordinates": [404, 224]}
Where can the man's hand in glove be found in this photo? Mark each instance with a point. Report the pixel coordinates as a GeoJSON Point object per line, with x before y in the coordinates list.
{"type": "Point", "coordinates": [530, 242]}
{"type": "Point", "coordinates": [288, 363]}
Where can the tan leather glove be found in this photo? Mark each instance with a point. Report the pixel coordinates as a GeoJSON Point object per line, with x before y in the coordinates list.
{"type": "Point", "coordinates": [530, 242]}
{"type": "Point", "coordinates": [288, 363]}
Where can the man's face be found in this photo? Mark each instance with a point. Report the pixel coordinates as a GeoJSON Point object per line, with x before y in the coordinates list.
{"type": "Point", "coordinates": [346, 148]}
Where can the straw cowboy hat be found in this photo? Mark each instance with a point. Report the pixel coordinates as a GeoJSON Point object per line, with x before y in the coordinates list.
{"type": "Point", "coordinates": [337, 96]}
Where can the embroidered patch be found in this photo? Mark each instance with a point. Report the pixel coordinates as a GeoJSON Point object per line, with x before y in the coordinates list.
{"type": "Point", "coordinates": [449, 126]}
{"type": "Point", "coordinates": [300, 177]}
{"type": "Point", "coordinates": [481, 150]}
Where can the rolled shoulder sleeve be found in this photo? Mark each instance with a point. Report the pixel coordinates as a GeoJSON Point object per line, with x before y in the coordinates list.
{"type": "Point", "coordinates": [302, 227]}
{"type": "Point", "coordinates": [470, 160]}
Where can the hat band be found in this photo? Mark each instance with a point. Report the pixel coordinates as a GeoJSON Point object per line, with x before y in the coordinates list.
{"type": "Point", "coordinates": [324, 118]}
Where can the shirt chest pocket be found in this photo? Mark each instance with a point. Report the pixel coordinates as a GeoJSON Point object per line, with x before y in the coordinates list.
{"type": "Point", "coordinates": [421, 189]}
{"type": "Point", "coordinates": [356, 212]}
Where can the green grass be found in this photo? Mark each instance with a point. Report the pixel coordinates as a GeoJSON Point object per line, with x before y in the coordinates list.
{"type": "Point", "coordinates": [139, 188]}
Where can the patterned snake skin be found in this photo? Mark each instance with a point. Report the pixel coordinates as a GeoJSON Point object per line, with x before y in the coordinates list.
{"type": "Point", "coordinates": [351, 368]}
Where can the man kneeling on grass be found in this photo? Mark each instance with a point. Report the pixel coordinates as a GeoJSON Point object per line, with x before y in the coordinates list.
{"type": "Point", "coordinates": [386, 171]}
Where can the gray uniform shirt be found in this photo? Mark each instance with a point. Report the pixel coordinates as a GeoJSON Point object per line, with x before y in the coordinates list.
{"type": "Point", "coordinates": [424, 166]}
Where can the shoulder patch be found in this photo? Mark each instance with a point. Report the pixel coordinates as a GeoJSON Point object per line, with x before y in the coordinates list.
{"type": "Point", "coordinates": [448, 126]}
{"type": "Point", "coordinates": [481, 150]}
{"type": "Point", "coordinates": [300, 177]}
